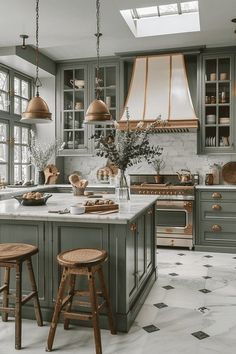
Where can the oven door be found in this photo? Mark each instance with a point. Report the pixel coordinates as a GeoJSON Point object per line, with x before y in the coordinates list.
{"type": "Point", "coordinates": [174, 218]}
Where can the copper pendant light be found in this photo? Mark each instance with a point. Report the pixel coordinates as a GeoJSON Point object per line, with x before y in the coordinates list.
{"type": "Point", "coordinates": [97, 112]}
{"type": "Point", "coordinates": [37, 110]}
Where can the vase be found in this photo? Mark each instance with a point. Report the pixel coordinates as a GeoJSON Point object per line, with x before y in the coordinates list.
{"type": "Point", "coordinates": [122, 187]}
{"type": "Point", "coordinates": [40, 177]}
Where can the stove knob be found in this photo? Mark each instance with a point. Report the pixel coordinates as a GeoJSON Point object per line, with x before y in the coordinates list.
{"type": "Point", "coordinates": [139, 192]}
{"type": "Point", "coordinates": [152, 192]}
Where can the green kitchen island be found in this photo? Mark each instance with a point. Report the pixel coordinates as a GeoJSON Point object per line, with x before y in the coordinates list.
{"type": "Point", "coordinates": [128, 236]}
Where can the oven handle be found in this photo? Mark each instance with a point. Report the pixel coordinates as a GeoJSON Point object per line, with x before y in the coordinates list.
{"type": "Point", "coordinates": [186, 212]}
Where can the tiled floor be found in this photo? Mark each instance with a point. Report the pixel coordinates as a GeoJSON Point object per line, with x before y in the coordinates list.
{"type": "Point", "coordinates": [190, 310]}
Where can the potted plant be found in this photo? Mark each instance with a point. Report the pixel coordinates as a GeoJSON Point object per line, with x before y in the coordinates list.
{"type": "Point", "coordinates": [158, 163]}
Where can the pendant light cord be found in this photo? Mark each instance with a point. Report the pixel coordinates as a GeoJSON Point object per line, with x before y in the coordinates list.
{"type": "Point", "coordinates": [98, 35]}
{"type": "Point", "coordinates": [37, 80]}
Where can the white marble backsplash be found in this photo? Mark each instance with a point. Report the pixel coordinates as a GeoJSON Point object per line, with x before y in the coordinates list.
{"type": "Point", "coordinates": [180, 151]}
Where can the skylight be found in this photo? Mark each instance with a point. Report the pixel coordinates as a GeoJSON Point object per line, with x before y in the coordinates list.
{"type": "Point", "coordinates": [178, 17]}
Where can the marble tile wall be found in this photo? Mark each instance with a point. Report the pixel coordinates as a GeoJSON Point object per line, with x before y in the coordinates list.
{"type": "Point", "coordinates": [180, 151]}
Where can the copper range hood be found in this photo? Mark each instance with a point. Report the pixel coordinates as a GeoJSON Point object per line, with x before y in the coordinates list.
{"type": "Point", "coordinates": [159, 93]}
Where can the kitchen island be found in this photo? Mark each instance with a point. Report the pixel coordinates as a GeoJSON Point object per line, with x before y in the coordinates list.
{"type": "Point", "coordinates": [128, 236]}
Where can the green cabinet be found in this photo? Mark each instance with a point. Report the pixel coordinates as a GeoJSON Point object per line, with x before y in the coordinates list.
{"type": "Point", "coordinates": [76, 90]}
{"type": "Point", "coordinates": [33, 233]}
{"type": "Point", "coordinates": [216, 220]}
{"type": "Point", "coordinates": [218, 103]}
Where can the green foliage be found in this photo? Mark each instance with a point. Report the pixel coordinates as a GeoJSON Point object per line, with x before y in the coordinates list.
{"type": "Point", "coordinates": [126, 148]}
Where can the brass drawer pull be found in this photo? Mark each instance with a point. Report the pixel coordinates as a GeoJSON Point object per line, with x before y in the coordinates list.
{"type": "Point", "coordinates": [216, 228]}
{"type": "Point", "coordinates": [216, 195]}
{"type": "Point", "coordinates": [133, 227]}
{"type": "Point", "coordinates": [216, 207]}
{"type": "Point", "coordinates": [149, 211]}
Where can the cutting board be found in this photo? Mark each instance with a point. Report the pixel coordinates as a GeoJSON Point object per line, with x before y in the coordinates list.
{"type": "Point", "coordinates": [103, 207]}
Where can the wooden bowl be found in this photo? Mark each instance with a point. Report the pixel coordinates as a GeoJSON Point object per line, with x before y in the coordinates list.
{"type": "Point", "coordinates": [229, 172]}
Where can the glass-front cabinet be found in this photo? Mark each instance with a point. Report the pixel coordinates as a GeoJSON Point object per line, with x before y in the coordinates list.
{"type": "Point", "coordinates": [77, 91]}
{"type": "Point", "coordinates": [75, 97]}
{"type": "Point", "coordinates": [217, 104]}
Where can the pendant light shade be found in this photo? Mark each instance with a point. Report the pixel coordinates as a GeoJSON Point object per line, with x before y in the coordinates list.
{"type": "Point", "coordinates": [37, 110]}
{"type": "Point", "coordinates": [97, 113]}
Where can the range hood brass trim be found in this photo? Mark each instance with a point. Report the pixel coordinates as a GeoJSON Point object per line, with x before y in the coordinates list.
{"type": "Point", "coordinates": [169, 126]}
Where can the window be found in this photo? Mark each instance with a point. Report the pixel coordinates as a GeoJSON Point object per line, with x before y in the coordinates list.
{"type": "Point", "coordinates": [4, 90]}
{"type": "Point", "coordinates": [15, 93]}
{"type": "Point", "coordinates": [4, 151]}
{"type": "Point", "coordinates": [21, 95]}
{"type": "Point", "coordinates": [21, 158]}
{"type": "Point", "coordinates": [178, 17]}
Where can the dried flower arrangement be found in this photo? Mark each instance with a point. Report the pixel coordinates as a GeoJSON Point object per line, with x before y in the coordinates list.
{"type": "Point", "coordinates": [40, 153]}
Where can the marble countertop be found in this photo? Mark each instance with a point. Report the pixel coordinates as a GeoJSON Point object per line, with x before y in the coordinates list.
{"type": "Point", "coordinates": [10, 209]}
{"type": "Point", "coordinates": [8, 192]}
{"type": "Point", "coordinates": [217, 186]}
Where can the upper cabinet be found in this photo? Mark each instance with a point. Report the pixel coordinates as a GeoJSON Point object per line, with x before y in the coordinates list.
{"type": "Point", "coordinates": [217, 104]}
{"type": "Point", "coordinates": [75, 92]}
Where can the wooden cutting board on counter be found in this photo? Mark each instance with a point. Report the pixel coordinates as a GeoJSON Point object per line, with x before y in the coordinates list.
{"type": "Point", "coordinates": [103, 207]}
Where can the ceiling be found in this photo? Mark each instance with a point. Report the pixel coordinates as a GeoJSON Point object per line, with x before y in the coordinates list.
{"type": "Point", "coordinates": [67, 27]}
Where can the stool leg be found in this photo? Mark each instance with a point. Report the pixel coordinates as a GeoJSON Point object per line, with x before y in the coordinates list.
{"type": "Point", "coordinates": [94, 307]}
{"type": "Point", "coordinates": [37, 308]}
{"type": "Point", "coordinates": [71, 293]}
{"type": "Point", "coordinates": [107, 299]}
{"type": "Point", "coordinates": [18, 306]}
{"type": "Point", "coordinates": [57, 310]}
{"type": "Point", "coordinates": [5, 298]}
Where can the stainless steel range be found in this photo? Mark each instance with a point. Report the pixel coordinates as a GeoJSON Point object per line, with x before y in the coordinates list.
{"type": "Point", "coordinates": [175, 207]}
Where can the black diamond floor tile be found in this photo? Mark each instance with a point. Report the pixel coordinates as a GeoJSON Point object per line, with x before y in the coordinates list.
{"type": "Point", "coordinates": [173, 274]}
{"type": "Point", "coordinates": [207, 265]}
{"type": "Point", "coordinates": [168, 287]}
{"type": "Point", "coordinates": [200, 335]}
{"type": "Point", "coordinates": [179, 263]}
{"type": "Point", "coordinates": [207, 277]}
{"type": "Point", "coordinates": [181, 254]}
{"type": "Point", "coordinates": [203, 309]}
{"type": "Point", "coordinates": [160, 305]}
{"type": "Point", "coordinates": [208, 256]}
{"type": "Point", "coordinates": [151, 328]}
{"type": "Point", "coordinates": [205, 291]}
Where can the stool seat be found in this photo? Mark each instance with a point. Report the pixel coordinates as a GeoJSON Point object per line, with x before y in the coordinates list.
{"type": "Point", "coordinates": [82, 262]}
{"type": "Point", "coordinates": [14, 251]}
{"type": "Point", "coordinates": [81, 257]}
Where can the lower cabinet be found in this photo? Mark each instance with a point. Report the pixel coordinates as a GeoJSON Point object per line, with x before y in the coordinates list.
{"type": "Point", "coordinates": [216, 220]}
{"type": "Point", "coordinates": [130, 270]}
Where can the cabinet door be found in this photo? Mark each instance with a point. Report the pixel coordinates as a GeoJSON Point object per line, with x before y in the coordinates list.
{"type": "Point", "coordinates": [68, 236]}
{"type": "Point", "coordinates": [150, 243]}
{"type": "Point", "coordinates": [131, 260]}
{"type": "Point", "coordinates": [74, 102]}
{"type": "Point", "coordinates": [31, 233]}
{"type": "Point", "coordinates": [217, 105]}
{"type": "Point", "coordinates": [109, 93]}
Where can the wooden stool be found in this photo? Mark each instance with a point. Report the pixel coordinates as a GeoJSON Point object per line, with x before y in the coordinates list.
{"type": "Point", "coordinates": [85, 262]}
{"type": "Point", "coordinates": [12, 255]}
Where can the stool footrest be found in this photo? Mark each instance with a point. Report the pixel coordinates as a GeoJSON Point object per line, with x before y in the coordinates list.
{"type": "Point", "coordinates": [77, 316]}
{"type": "Point", "coordinates": [7, 309]}
{"type": "Point", "coordinates": [3, 288]}
{"type": "Point", "coordinates": [28, 297]}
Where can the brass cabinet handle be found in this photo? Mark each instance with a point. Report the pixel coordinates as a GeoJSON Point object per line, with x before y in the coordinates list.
{"type": "Point", "coordinates": [216, 228]}
{"type": "Point", "coordinates": [133, 227]}
{"type": "Point", "coordinates": [216, 207]}
{"type": "Point", "coordinates": [149, 211]}
{"type": "Point", "coordinates": [216, 195]}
